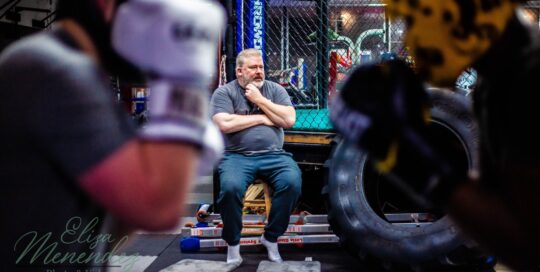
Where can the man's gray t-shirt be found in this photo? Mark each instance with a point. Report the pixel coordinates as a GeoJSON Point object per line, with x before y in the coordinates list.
{"type": "Point", "coordinates": [230, 98]}
{"type": "Point", "coordinates": [58, 120]}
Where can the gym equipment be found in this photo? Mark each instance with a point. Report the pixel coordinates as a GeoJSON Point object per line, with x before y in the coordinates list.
{"type": "Point", "coordinates": [194, 244]}
{"type": "Point", "coordinates": [364, 205]}
{"type": "Point", "coordinates": [302, 229]}
{"type": "Point", "coordinates": [209, 232]}
{"type": "Point", "coordinates": [294, 219]}
{"type": "Point", "coordinates": [383, 108]}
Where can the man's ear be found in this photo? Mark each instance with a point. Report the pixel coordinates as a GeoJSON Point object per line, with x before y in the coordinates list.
{"type": "Point", "coordinates": [238, 71]}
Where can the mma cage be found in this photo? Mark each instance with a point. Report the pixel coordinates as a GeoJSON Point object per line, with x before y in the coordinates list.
{"type": "Point", "coordinates": [309, 46]}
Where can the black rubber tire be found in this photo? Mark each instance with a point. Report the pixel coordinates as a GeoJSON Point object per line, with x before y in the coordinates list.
{"type": "Point", "coordinates": [359, 225]}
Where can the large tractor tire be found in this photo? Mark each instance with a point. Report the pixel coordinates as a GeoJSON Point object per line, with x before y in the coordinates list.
{"type": "Point", "coordinates": [377, 222]}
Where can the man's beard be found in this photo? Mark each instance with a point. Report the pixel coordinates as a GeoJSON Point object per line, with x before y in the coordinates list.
{"type": "Point", "coordinates": [258, 83]}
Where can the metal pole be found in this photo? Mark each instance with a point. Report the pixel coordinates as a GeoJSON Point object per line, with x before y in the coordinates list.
{"type": "Point", "coordinates": [287, 34]}
{"type": "Point", "coordinates": [387, 32]}
{"type": "Point", "coordinates": [239, 18]}
{"type": "Point", "coordinates": [230, 41]}
{"type": "Point", "coordinates": [322, 52]}
{"type": "Point", "coordinates": [266, 8]}
{"type": "Point", "coordinates": [282, 40]}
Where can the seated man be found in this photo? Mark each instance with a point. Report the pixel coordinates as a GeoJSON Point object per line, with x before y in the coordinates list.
{"type": "Point", "coordinates": [252, 113]}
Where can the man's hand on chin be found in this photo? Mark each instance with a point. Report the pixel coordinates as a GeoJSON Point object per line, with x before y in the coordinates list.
{"type": "Point", "coordinates": [253, 94]}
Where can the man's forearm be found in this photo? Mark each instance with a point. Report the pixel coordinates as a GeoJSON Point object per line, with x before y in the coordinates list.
{"type": "Point", "coordinates": [282, 116]}
{"type": "Point", "coordinates": [152, 195]}
{"type": "Point", "coordinates": [233, 122]}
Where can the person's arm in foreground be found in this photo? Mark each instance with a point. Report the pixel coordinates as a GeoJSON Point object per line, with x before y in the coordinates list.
{"type": "Point", "coordinates": [144, 183]}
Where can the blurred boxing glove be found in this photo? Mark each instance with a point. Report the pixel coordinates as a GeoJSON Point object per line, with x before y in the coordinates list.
{"type": "Point", "coordinates": [212, 149]}
{"type": "Point", "coordinates": [384, 108]}
{"type": "Point", "coordinates": [175, 44]}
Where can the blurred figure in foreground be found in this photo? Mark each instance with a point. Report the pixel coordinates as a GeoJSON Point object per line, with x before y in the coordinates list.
{"type": "Point", "coordinates": [75, 172]}
{"type": "Point", "coordinates": [499, 206]}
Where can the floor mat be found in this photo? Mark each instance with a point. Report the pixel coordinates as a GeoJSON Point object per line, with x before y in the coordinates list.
{"type": "Point", "coordinates": [147, 244]}
{"type": "Point", "coordinates": [128, 263]}
{"type": "Point", "coordinates": [289, 266]}
{"type": "Point", "coordinates": [199, 266]}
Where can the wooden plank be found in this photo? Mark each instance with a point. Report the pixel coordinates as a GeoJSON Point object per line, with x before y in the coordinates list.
{"type": "Point", "coordinates": [309, 138]}
{"type": "Point", "coordinates": [254, 191]}
{"type": "Point", "coordinates": [252, 231]}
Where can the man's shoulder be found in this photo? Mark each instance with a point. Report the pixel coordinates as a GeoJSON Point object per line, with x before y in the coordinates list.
{"type": "Point", "coordinates": [274, 86]}
{"type": "Point", "coordinates": [227, 88]}
{"type": "Point", "coordinates": [59, 69]}
{"type": "Point", "coordinates": [274, 89]}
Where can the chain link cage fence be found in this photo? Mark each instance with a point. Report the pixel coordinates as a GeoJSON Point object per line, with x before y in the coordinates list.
{"type": "Point", "coordinates": [309, 46]}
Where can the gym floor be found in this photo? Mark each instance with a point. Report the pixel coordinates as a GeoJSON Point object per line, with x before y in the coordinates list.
{"type": "Point", "coordinates": [156, 251]}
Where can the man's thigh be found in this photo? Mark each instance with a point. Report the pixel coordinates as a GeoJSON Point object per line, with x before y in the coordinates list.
{"type": "Point", "coordinates": [236, 172]}
{"type": "Point", "coordinates": [280, 168]}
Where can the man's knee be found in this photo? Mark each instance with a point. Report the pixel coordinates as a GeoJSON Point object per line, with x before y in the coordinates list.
{"type": "Point", "coordinates": [296, 186]}
{"type": "Point", "coordinates": [291, 182]}
{"type": "Point", "coordinates": [230, 188]}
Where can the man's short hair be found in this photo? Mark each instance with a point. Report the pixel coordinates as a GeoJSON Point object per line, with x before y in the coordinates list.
{"type": "Point", "coordinates": [247, 53]}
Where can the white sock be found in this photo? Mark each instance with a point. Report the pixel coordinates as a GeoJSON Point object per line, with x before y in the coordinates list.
{"type": "Point", "coordinates": [233, 255]}
{"type": "Point", "coordinates": [272, 248]}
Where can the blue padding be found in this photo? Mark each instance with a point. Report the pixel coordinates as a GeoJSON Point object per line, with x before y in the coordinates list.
{"type": "Point", "coordinates": [201, 225]}
{"type": "Point", "coordinates": [190, 244]}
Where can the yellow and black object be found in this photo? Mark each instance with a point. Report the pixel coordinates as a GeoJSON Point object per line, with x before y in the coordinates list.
{"type": "Point", "coordinates": [447, 36]}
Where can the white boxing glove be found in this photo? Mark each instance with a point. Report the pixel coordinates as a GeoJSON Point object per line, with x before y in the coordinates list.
{"type": "Point", "coordinates": [212, 149]}
{"type": "Point", "coordinates": [172, 39]}
{"type": "Point", "coordinates": [175, 43]}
